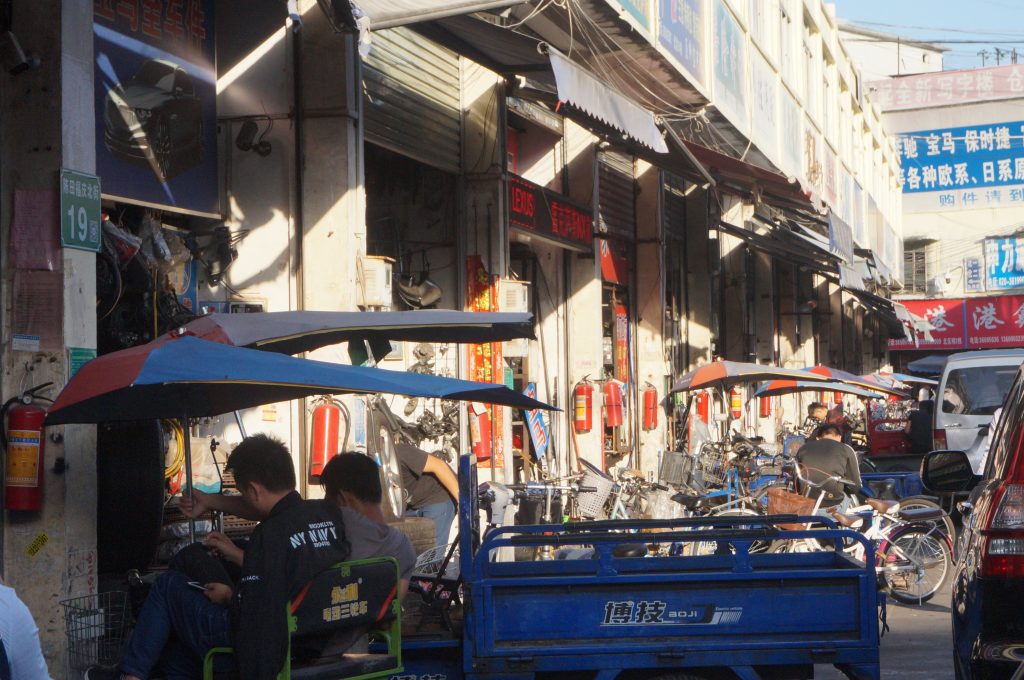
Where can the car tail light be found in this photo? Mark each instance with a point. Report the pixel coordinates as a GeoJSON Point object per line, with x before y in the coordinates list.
{"type": "Point", "coordinates": [938, 440]}
{"type": "Point", "coordinates": [1003, 550]}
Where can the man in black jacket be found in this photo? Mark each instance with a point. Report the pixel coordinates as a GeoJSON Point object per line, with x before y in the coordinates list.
{"type": "Point", "coordinates": [296, 540]}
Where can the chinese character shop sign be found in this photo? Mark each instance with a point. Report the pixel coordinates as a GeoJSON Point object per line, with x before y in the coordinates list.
{"type": "Point", "coordinates": [1004, 263]}
{"type": "Point", "coordinates": [534, 210]}
{"type": "Point", "coordinates": [681, 34]}
{"type": "Point", "coordinates": [156, 115]}
{"type": "Point", "coordinates": [975, 323]}
{"type": "Point", "coordinates": [943, 322]}
{"type": "Point", "coordinates": [976, 166]}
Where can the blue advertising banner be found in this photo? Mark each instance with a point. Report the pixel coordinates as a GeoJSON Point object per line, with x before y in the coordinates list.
{"type": "Point", "coordinates": [156, 90]}
{"type": "Point", "coordinates": [681, 33]}
{"type": "Point", "coordinates": [730, 59]}
{"type": "Point", "coordinates": [535, 423]}
{"type": "Point", "coordinates": [972, 274]}
{"type": "Point", "coordinates": [638, 9]}
{"type": "Point", "coordinates": [1004, 263]}
{"type": "Point", "coordinates": [963, 168]}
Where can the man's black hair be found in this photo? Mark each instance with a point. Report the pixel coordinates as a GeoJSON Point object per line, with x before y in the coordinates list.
{"type": "Point", "coordinates": [264, 459]}
{"type": "Point", "coordinates": [814, 406]}
{"type": "Point", "coordinates": [827, 428]}
{"type": "Point", "coordinates": [354, 473]}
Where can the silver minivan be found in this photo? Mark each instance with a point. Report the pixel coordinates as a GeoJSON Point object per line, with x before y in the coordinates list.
{"type": "Point", "coordinates": [972, 387]}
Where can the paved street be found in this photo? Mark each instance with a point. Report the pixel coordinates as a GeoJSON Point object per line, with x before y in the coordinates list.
{"type": "Point", "coordinates": [917, 645]}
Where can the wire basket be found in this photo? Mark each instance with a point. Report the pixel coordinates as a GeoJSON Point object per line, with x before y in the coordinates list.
{"type": "Point", "coordinates": [97, 626]}
{"type": "Point", "coordinates": [592, 502]}
{"type": "Point", "coordinates": [676, 468]}
{"type": "Point", "coordinates": [428, 564]}
{"type": "Point", "coordinates": [712, 465]}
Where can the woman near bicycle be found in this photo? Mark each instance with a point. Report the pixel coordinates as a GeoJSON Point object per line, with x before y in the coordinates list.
{"type": "Point", "coordinates": [826, 456]}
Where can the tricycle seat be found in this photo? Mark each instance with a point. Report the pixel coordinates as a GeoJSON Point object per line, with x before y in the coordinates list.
{"type": "Point", "coordinates": [347, 666]}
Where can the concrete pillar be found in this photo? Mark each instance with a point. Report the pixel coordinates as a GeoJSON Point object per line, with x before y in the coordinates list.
{"type": "Point", "coordinates": [46, 123]}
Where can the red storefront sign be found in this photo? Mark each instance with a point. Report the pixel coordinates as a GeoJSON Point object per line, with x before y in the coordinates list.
{"type": "Point", "coordinates": [615, 261]}
{"type": "Point", "coordinates": [485, 363]}
{"type": "Point", "coordinates": [947, 324]}
{"type": "Point", "coordinates": [534, 210]}
{"type": "Point", "coordinates": [975, 323]}
{"type": "Point", "coordinates": [995, 322]}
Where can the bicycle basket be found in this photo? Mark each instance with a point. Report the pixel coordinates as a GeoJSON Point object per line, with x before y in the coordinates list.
{"type": "Point", "coordinates": [97, 626]}
{"type": "Point", "coordinates": [591, 502]}
{"type": "Point", "coordinates": [784, 502]}
{"type": "Point", "coordinates": [712, 466]}
{"type": "Point", "coordinates": [676, 468]}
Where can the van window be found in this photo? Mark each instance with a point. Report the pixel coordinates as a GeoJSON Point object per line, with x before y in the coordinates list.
{"type": "Point", "coordinates": [978, 390]}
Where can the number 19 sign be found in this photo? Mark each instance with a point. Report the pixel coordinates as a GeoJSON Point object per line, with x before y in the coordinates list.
{"type": "Point", "coordinates": [79, 210]}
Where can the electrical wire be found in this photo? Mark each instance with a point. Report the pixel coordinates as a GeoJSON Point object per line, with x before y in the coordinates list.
{"type": "Point", "coordinates": [178, 433]}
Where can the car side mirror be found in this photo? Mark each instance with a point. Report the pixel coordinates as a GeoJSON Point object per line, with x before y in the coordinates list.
{"type": "Point", "coordinates": [946, 471]}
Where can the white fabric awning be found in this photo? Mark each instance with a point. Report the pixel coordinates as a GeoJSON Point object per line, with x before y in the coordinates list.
{"type": "Point", "coordinates": [390, 13]}
{"type": "Point", "coordinates": [580, 88]}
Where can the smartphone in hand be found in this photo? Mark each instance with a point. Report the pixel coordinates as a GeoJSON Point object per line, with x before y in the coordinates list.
{"type": "Point", "coordinates": [197, 585]}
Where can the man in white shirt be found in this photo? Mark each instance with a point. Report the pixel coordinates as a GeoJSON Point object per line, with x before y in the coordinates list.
{"type": "Point", "coordinates": [20, 639]}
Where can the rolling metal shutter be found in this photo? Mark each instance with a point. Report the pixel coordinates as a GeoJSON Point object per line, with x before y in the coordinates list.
{"type": "Point", "coordinates": [412, 98]}
{"type": "Point", "coordinates": [674, 206]}
{"type": "Point", "coordinates": [616, 195]}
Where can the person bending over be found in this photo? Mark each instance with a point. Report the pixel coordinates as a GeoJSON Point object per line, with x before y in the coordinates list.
{"type": "Point", "coordinates": [432, 487]}
{"type": "Point", "coordinates": [296, 539]}
{"type": "Point", "coordinates": [827, 456]}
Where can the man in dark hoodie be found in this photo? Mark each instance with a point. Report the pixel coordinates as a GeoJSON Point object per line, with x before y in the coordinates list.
{"type": "Point", "coordinates": [296, 540]}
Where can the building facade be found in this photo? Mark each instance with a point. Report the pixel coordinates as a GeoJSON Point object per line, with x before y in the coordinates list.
{"type": "Point", "coordinates": [661, 183]}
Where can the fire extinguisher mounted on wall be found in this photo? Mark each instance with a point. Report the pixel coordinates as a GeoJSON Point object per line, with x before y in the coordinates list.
{"type": "Point", "coordinates": [480, 430]}
{"type": "Point", "coordinates": [612, 393]}
{"type": "Point", "coordinates": [704, 407]}
{"type": "Point", "coordinates": [735, 403]}
{"type": "Point", "coordinates": [650, 412]}
{"type": "Point", "coordinates": [24, 446]}
{"type": "Point", "coordinates": [324, 440]}
{"type": "Point", "coordinates": [583, 406]}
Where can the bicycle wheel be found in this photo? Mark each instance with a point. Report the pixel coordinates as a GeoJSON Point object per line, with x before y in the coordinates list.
{"type": "Point", "coordinates": [915, 564]}
{"type": "Point", "coordinates": [945, 524]}
{"type": "Point", "coordinates": [712, 547]}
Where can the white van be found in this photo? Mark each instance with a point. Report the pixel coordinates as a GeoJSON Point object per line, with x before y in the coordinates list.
{"type": "Point", "coordinates": [972, 387]}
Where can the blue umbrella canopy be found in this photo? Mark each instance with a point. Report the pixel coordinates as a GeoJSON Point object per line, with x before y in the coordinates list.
{"type": "Point", "coordinates": [193, 377]}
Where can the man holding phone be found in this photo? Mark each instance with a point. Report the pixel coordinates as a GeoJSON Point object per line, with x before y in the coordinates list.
{"type": "Point", "coordinates": [295, 540]}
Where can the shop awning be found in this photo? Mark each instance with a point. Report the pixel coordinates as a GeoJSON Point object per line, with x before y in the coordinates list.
{"type": "Point", "coordinates": [840, 237]}
{"type": "Point", "coordinates": [391, 13]}
{"type": "Point", "coordinates": [578, 87]}
{"type": "Point", "coordinates": [747, 175]}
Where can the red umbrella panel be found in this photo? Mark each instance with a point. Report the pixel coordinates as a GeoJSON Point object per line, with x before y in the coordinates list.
{"type": "Point", "coordinates": [728, 373]}
{"type": "Point", "coordinates": [840, 376]}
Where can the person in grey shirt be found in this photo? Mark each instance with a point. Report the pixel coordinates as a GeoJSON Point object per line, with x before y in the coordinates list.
{"type": "Point", "coordinates": [19, 639]}
{"type": "Point", "coordinates": [827, 456]}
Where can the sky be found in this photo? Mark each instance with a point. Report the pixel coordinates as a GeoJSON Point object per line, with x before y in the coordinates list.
{"type": "Point", "coordinates": [969, 26]}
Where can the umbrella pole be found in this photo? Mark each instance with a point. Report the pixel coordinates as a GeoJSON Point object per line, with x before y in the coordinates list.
{"type": "Point", "coordinates": [241, 426]}
{"type": "Point", "coordinates": [188, 473]}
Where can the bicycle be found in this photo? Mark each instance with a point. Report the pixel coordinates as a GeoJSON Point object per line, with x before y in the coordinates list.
{"type": "Point", "coordinates": [913, 556]}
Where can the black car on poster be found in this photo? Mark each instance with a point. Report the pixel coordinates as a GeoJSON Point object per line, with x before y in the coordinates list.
{"type": "Point", "coordinates": [155, 117]}
{"type": "Point", "coordinates": [988, 581]}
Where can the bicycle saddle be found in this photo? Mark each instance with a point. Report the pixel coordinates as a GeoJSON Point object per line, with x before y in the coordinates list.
{"type": "Point", "coordinates": [880, 504]}
{"type": "Point", "coordinates": [848, 521]}
{"type": "Point", "coordinates": [630, 550]}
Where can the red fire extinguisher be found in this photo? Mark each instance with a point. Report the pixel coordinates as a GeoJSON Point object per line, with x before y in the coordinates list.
{"type": "Point", "coordinates": [837, 397]}
{"type": "Point", "coordinates": [24, 444]}
{"type": "Point", "coordinates": [735, 403]}
{"type": "Point", "coordinates": [582, 406]}
{"type": "Point", "coordinates": [764, 407]}
{"type": "Point", "coordinates": [480, 430]}
{"type": "Point", "coordinates": [650, 396]}
{"type": "Point", "coordinates": [612, 404]}
{"type": "Point", "coordinates": [704, 407]}
{"type": "Point", "coordinates": [323, 441]}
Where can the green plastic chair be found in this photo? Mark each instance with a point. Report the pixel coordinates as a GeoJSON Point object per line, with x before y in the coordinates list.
{"type": "Point", "coordinates": [345, 597]}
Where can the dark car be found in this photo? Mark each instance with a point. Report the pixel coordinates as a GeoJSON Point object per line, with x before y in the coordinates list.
{"type": "Point", "coordinates": [988, 581]}
{"type": "Point", "coordinates": [155, 117]}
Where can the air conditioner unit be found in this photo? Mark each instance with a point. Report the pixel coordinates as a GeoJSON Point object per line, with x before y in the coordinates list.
{"type": "Point", "coordinates": [514, 296]}
{"type": "Point", "coordinates": [376, 281]}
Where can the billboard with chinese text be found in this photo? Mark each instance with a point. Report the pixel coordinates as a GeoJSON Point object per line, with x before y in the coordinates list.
{"type": "Point", "coordinates": [156, 90]}
{"type": "Point", "coordinates": [946, 321]}
{"type": "Point", "coordinates": [1004, 263]}
{"type": "Point", "coordinates": [973, 166]}
{"type": "Point", "coordinates": [948, 87]}
{"type": "Point", "coordinates": [681, 34]}
{"type": "Point", "coordinates": [986, 322]}
{"type": "Point", "coordinates": [729, 48]}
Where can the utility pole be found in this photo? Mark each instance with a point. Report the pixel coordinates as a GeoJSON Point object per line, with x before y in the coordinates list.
{"type": "Point", "coordinates": [984, 55]}
{"type": "Point", "coordinates": [999, 55]}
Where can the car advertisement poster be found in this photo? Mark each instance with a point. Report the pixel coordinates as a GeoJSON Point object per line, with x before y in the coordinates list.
{"type": "Point", "coordinates": [156, 103]}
